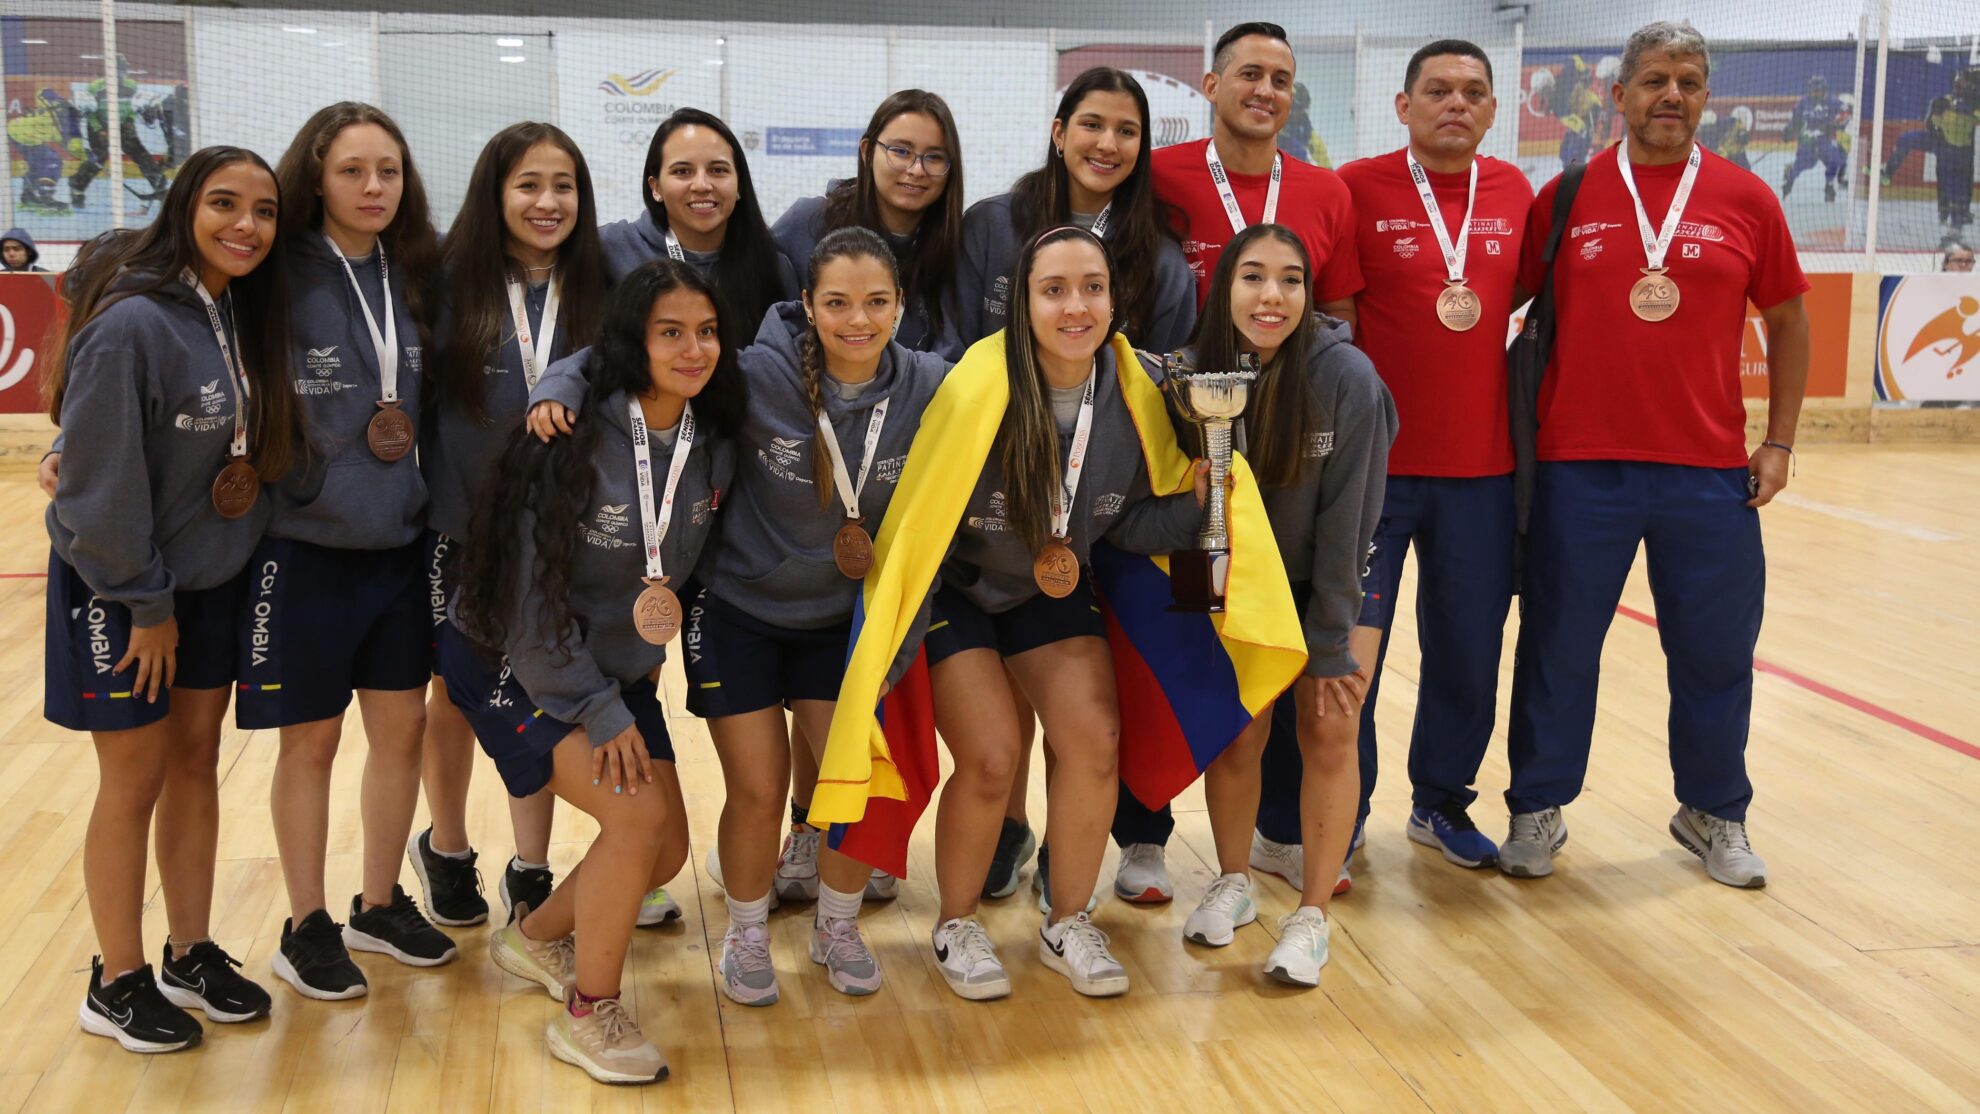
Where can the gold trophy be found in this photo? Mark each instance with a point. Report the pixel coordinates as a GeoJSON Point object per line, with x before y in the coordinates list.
{"type": "Point", "coordinates": [1213, 401]}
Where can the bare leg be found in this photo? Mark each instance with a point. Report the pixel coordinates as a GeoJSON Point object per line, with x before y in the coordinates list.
{"type": "Point", "coordinates": [1021, 780]}
{"type": "Point", "coordinates": [187, 829]}
{"type": "Point", "coordinates": [1071, 682]}
{"type": "Point", "coordinates": [812, 720]}
{"type": "Point", "coordinates": [531, 818]}
{"type": "Point", "coordinates": [1230, 789]}
{"type": "Point", "coordinates": [130, 774]}
{"type": "Point", "coordinates": [394, 724]}
{"type": "Point", "coordinates": [1330, 788]}
{"type": "Point", "coordinates": [447, 765]}
{"type": "Point", "coordinates": [804, 763]}
{"type": "Point", "coordinates": [974, 715]}
{"type": "Point", "coordinates": [754, 748]}
{"type": "Point", "coordinates": [299, 798]}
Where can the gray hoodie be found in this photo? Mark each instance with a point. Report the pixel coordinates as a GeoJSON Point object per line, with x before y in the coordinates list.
{"type": "Point", "coordinates": [991, 565]}
{"type": "Point", "coordinates": [629, 243]}
{"type": "Point", "coordinates": [1325, 523]}
{"type": "Point", "coordinates": [605, 653]}
{"type": "Point", "coordinates": [989, 258]}
{"type": "Point", "coordinates": [798, 231]}
{"type": "Point", "coordinates": [152, 407]}
{"type": "Point", "coordinates": [347, 498]}
{"type": "Point", "coordinates": [460, 454]}
{"type": "Point", "coordinates": [775, 559]}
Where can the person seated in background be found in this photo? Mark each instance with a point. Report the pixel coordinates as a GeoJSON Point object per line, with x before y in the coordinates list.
{"type": "Point", "coordinates": [1958, 258]}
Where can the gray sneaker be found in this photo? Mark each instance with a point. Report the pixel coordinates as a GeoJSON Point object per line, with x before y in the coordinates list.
{"type": "Point", "coordinates": [747, 976]}
{"type": "Point", "coordinates": [848, 963]}
{"type": "Point", "coordinates": [1722, 844]}
{"type": "Point", "coordinates": [1528, 851]}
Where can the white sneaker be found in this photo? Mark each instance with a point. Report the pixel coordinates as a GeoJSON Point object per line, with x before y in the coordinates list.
{"type": "Point", "coordinates": [968, 961]}
{"type": "Point", "coordinates": [797, 865]}
{"type": "Point", "coordinates": [658, 908]}
{"type": "Point", "coordinates": [1143, 875]}
{"type": "Point", "coordinates": [1287, 860]}
{"type": "Point", "coordinates": [882, 886]}
{"type": "Point", "coordinates": [713, 863]}
{"type": "Point", "coordinates": [1225, 908]}
{"type": "Point", "coordinates": [1302, 949]}
{"type": "Point", "coordinates": [1722, 845]}
{"type": "Point", "coordinates": [1076, 949]}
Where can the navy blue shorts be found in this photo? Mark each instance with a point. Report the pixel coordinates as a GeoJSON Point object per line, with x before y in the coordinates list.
{"type": "Point", "coordinates": [737, 663]}
{"type": "Point", "coordinates": [956, 624]}
{"type": "Point", "coordinates": [86, 637]}
{"type": "Point", "coordinates": [318, 624]}
{"type": "Point", "coordinates": [516, 734]}
{"type": "Point", "coordinates": [441, 562]}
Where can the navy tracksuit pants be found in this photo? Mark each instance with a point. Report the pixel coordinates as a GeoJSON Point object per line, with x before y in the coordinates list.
{"type": "Point", "coordinates": [1708, 578]}
{"type": "Point", "coordinates": [1462, 530]}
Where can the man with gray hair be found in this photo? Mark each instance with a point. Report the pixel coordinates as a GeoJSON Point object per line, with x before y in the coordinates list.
{"type": "Point", "coordinates": [1642, 442]}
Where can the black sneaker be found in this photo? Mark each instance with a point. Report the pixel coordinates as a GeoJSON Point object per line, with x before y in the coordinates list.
{"type": "Point", "coordinates": [1014, 847]}
{"type": "Point", "coordinates": [205, 979]}
{"type": "Point", "coordinates": [131, 1012]}
{"type": "Point", "coordinates": [527, 885]}
{"type": "Point", "coordinates": [452, 886]}
{"type": "Point", "coordinates": [398, 930]}
{"type": "Point", "coordinates": [313, 959]}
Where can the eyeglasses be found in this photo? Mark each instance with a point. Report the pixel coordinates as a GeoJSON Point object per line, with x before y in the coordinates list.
{"type": "Point", "coordinates": [1958, 262]}
{"type": "Point", "coordinates": [935, 164]}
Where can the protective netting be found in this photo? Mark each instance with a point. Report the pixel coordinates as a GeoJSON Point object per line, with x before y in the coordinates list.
{"type": "Point", "coordinates": [1860, 114]}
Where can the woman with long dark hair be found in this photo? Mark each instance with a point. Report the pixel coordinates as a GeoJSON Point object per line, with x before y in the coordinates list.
{"type": "Point", "coordinates": [173, 371]}
{"type": "Point", "coordinates": [1039, 456]}
{"type": "Point", "coordinates": [701, 209]}
{"type": "Point", "coordinates": [1096, 175]}
{"type": "Point", "coordinates": [569, 597]}
{"type": "Point", "coordinates": [908, 188]}
{"type": "Point", "coordinates": [1316, 433]}
{"type": "Point", "coordinates": [336, 599]}
{"type": "Point", "coordinates": [525, 284]}
{"type": "Point", "coordinates": [834, 404]}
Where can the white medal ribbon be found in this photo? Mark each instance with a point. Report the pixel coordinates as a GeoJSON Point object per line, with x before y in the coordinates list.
{"type": "Point", "coordinates": [236, 370]}
{"type": "Point", "coordinates": [1223, 183]}
{"type": "Point", "coordinates": [386, 345]}
{"type": "Point", "coordinates": [849, 491]}
{"type": "Point", "coordinates": [674, 248]}
{"type": "Point", "coordinates": [1100, 222]}
{"type": "Point", "coordinates": [1062, 514]}
{"type": "Point", "coordinates": [653, 526]}
{"type": "Point", "coordinates": [519, 309]}
{"type": "Point", "coordinates": [1453, 255]}
{"type": "Point", "coordinates": [1657, 244]}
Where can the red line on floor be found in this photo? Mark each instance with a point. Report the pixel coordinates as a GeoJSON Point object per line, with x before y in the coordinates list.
{"type": "Point", "coordinates": [23, 576]}
{"type": "Point", "coordinates": [1854, 703]}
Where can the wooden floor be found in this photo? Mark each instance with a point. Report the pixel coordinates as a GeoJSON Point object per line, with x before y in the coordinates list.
{"type": "Point", "coordinates": [1626, 981]}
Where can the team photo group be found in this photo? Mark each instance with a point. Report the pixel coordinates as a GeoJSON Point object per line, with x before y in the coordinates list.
{"type": "Point", "coordinates": [1129, 460]}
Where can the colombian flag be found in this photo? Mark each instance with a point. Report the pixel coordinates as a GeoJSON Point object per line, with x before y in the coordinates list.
{"type": "Point", "coordinates": [1189, 684]}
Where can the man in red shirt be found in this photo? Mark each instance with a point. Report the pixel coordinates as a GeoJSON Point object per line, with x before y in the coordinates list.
{"type": "Point", "coordinates": [1250, 86]}
{"type": "Point", "coordinates": [1213, 189]}
{"type": "Point", "coordinates": [1438, 234]}
{"type": "Point", "coordinates": [1642, 441]}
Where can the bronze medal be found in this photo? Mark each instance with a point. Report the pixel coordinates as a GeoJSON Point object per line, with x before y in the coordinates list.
{"type": "Point", "coordinates": [390, 433]}
{"type": "Point", "coordinates": [657, 613]}
{"type": "Point", "coordinates": [1457, 306]}
{"type": "Point", "coordinates": [235, 489]}
{"type": "Point", "coordinates": [852, 549]}
{"type": "Point", "coordinates": [1655, 295]}
{"type": "Point", "coordinates": [1056, 570]}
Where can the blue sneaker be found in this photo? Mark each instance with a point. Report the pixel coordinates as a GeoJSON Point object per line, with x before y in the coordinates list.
{"type": "Point", "coordinates": [1450, 830]}
{"type": "Point", "coordinates": [1042, 882]}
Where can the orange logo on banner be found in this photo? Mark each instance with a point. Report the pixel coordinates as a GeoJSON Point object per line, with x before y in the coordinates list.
{"type": "Point", "coordinates": [1827, 302]}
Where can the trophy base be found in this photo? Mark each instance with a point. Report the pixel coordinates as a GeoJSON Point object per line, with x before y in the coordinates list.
{"type": "Point", "coordinates": [1197, 580]}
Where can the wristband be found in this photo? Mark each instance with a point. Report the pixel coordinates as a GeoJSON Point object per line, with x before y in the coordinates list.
{"type": "Point", "coordinates": [1788, 449]}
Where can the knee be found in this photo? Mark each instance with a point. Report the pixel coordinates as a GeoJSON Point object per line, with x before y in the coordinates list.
{"type": "Point", "coordinates": [194, 760]}
{"type": "Point", "coordinates": [1331, 745]}
{"type": "Point", "coordinates": [989, 772]}
{"type": "Point", "coordinates": [130, 790]}
{"type": "Point", "coordinates": [640, 821]}
{"type": "Point", "coordinates": [311, 752]}
{"type": "Point", "coordinates": [1095, 752]}
{"type": "Point", "coordinates": [672, 849]}
{"type": "Point", "coordinates": [756, 795]}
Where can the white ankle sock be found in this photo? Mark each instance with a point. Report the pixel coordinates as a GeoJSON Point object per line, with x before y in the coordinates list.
{"type": "Point", "coordinates": [749, 912]}
{"type": "Point", "coordinates": [836, 906]}
{"type": "Point", "coordinates": [521, 863]}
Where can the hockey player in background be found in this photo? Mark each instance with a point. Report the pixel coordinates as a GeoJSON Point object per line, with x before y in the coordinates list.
{"type": "Point", "coordinates": [1816, 126]}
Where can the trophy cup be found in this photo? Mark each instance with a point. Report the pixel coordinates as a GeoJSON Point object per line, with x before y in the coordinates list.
{"type": "Point", "coordinates": [1212, 400]}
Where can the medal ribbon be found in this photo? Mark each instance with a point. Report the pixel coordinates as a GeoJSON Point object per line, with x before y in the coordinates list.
{"type": "Point", "coordinates": [236, 370]}
{"type": "Point", "coordinates": [848, 490]}
{"type": "Point", "coordinates": [1656, 244]}
{"type": "Point", "coordinates": [1082, 431]}
{"type": "Point", "coordinates": [1453, 255]}
{"type": "Point", "coordinates": [652, 526]}
{"type": "Point", "coordinates": [532, 367]}
{"type": "Point", "coordinates": [1223, 183]}
{"type": "Point", "coordinates": [386, 345]}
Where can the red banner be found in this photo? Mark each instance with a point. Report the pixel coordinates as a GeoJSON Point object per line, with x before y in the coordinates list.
{"type": "Point", "coordinates": [27, 317]}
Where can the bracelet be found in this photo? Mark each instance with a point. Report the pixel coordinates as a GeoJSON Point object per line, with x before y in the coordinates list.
{"type": "Point", "coordinates": [1788, 449]}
